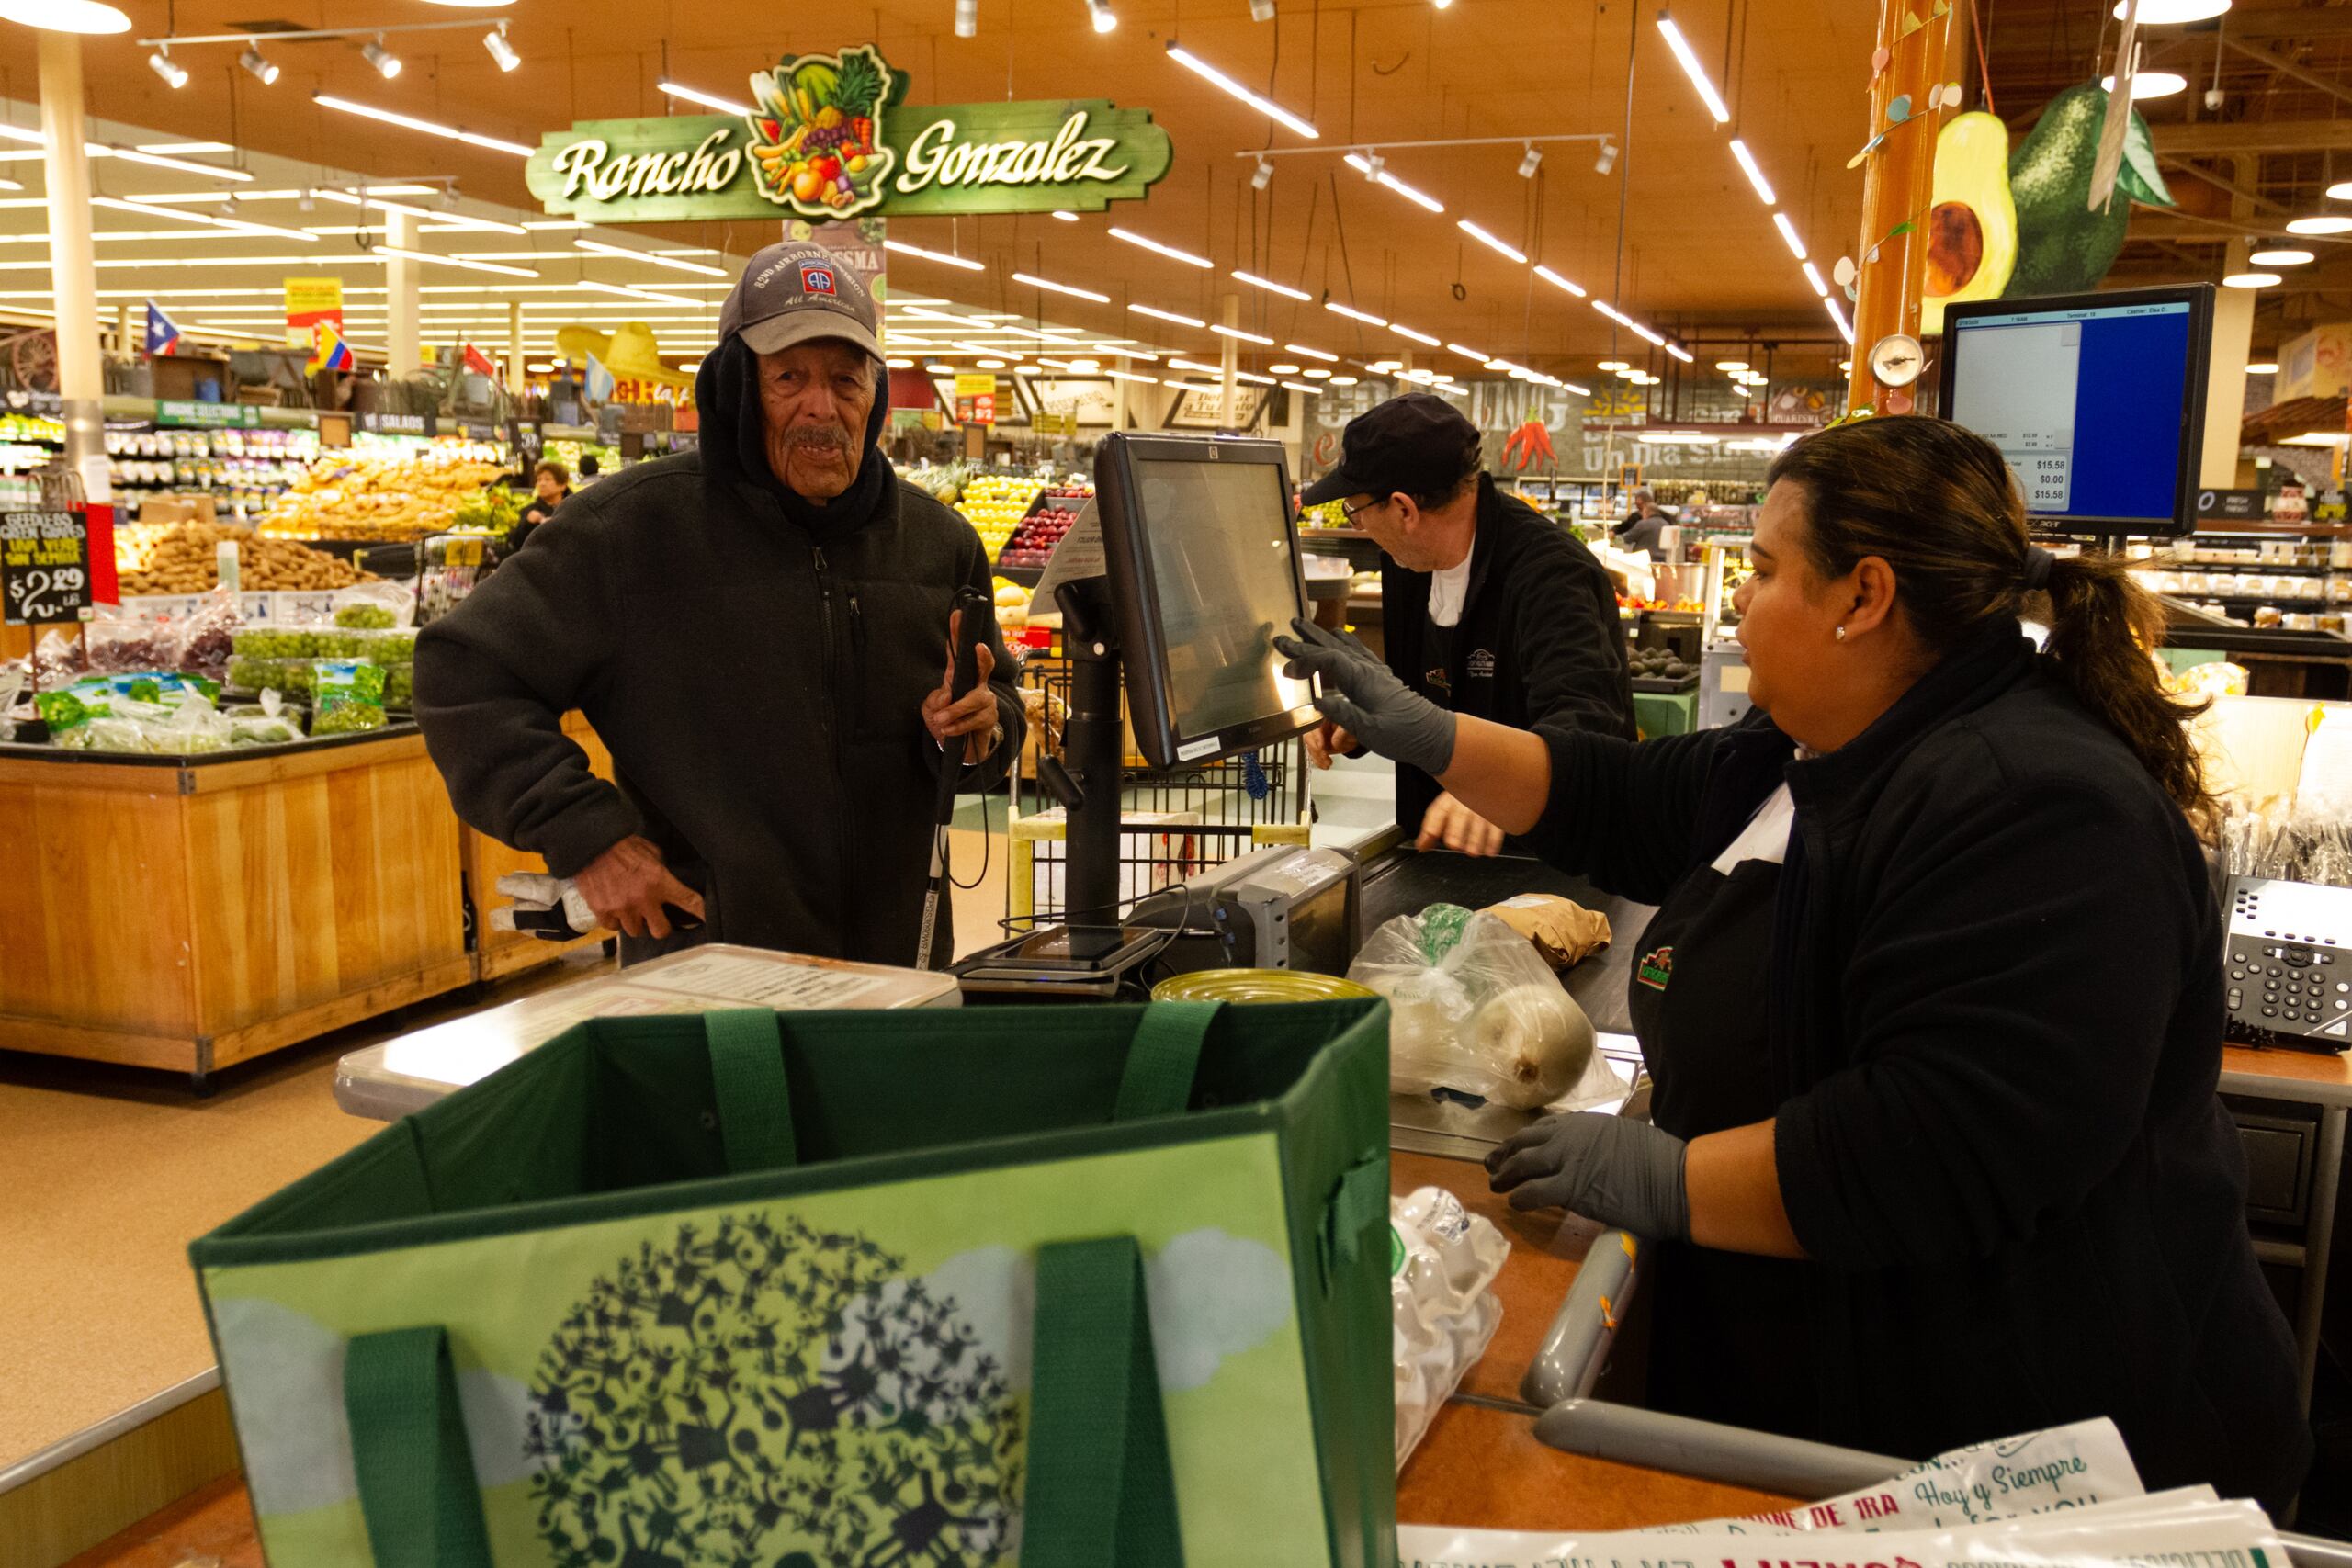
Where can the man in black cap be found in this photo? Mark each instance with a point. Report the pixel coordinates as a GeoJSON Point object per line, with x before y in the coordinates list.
{"type": "Point", "coordinates": [1487, 607]}
{"type": "Point", "coordinates": [759, 632]}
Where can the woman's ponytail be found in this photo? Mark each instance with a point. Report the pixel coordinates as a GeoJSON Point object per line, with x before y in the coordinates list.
{"type": "Point", "coordinates": [2102, 626]}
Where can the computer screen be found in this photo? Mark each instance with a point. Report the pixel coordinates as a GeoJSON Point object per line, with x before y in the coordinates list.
{"type": "Point", "coordinates": [2097, 400]}
{"type": "Point", "coordinates": [1203, 555]}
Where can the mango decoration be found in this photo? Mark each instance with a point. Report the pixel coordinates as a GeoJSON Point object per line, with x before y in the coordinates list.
{"type": "Point", "coordinates": [1973, 225]}
{"type": "Point", "coordinates": [2064, 246]}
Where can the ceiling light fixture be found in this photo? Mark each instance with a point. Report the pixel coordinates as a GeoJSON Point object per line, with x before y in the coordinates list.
{"type": "Point", "coordinates": [182, 215]}
{"type": "Point", "coordinates": [2279, 258]}
{"type": "Point", "coordinates": [1099, 12]}
{"type": "Point", "coordinates": [65, 16]}
{"type": "Point", "coordinates": [1531, 161]}
{"type": "Point", "coordinates": [1812, 276]}
{"type": "Point", "coordinates": [1211, 74]}
{"type": "Point", "coordinates": [967, 18]}
{"type": "Point", "coordinates": [2251, 280]}
{"type": "Point", "coordinates": [1354, 314]}
{"type": "Point", "coordinates": [1731, 364]}
{"type": "Point", "coordinates": [1050, 286]}
{"type": "Point", "coordinates": [1303, 386]}
{"type": "Point", "coordinates": [1271, 287]}
{"type": "Point", "coordinates": [430, 128]}
{"type": "Point", "coordinates": [1607, 158]}
{"type": "Point", "coordinates": [2164, 12]}
{"type": "Point", "coordinates": [259, 68]}
{"type": "Point", "coordinates": [1747, 166]}
{"type": "Point", "coordinates": [1374, 167]}
{"type": "Point", "coordinates": [500, 50]}
{"type": "Point", "coordinates": [1681, 353]}
{"type": "Point", "coordinates": [1401, 330]}
{"type": "Point", "coordinates": [1262, 176]}
{"type": "Point", "coordinates": [498, 267]}
{"type": "Point", "coordinates": [1312, 354]}
{"type": "Point", "coordinates": [941, 369]}
{"type": "Point", "coordinates": [2326, 223]}
{"type": "Point", "coordinates": [1844, 328]}
{"type": "Point", "coordinates": [1344, 380]}
{"type": "Point", "coordinates": [990, 364]}
{"type": "Point", "coordinates": [1468, 353]}
{"type": "Point", "coordinates": [1132, 375]}
{"type": "Point", "coordinates": [1692, 68]}
{"type": "Point", "coordinates": [1066, 217]}
{"type": "Point", "coordinates": [1612, 365]}
{"type": "Point", "coordinates": [1556, 281]}
{"type": "Point", "coordinates": [387, 64]}
{"type": "Point", "coordinates": [1490, 241]}
{"type": "Point", "coordinates": [709, 100]}
{"type": "Point", "coordinates": [2150, 84]}
{"type": "Point", "coordinates": [1315, 373]}
{"type": "Point", "coordinates": [175, 74]}
{"type": "Point", "coordinates": [942, 257]}
{"type": "Point", "coordinates": [1789, 232]}
{"type": "Point", "coordinates": [626, 292]}
{"type": "Point", "coordinates": [209, 171]}
{"type": "Point", "coordinates": [674, 264]}
{"type": "Point", "coordinates": [1170, 252]}
{"type": "Point", "coordinates": [1261, 10]}
{"type": "Point", "coordinates": [2265, 368]}
{"type": "Point", "coordinates": [1160, 315]}
{"type": "Point", "coordinates": [1223, 331]}
{"type": "Point", "coordinates": [899, 363]}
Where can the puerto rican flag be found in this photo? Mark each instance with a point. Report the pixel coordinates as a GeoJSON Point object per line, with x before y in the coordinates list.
{"type": "Point", "coordinates": [162, 332]}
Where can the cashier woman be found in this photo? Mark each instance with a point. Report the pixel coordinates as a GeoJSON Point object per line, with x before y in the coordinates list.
{"type": "Point", "coordinates": [1486, 607]}
{"type": "Point", "coordinates": [1933, 998]}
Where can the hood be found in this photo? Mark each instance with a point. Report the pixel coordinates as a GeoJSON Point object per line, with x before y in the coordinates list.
{"type": "Point", "coordinates": [734, 437]}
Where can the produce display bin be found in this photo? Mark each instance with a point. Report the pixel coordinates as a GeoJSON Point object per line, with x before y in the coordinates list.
{"type": "Point", "coordinates": [188, 912]}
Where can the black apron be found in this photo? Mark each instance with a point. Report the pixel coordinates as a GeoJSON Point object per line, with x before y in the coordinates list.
{"type": "Point", "coordinates": [1730, 1339]}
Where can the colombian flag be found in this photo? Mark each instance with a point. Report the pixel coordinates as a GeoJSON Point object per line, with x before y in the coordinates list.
{"type": "Point", "coordinates": [328, 351]}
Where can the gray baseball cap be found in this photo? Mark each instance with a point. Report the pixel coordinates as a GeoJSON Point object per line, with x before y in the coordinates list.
{"type": "Point", "coordinates": [795, 292]}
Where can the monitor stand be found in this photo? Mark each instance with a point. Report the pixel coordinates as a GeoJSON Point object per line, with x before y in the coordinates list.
{"type": "Point", "coordinates": [1091, 953]}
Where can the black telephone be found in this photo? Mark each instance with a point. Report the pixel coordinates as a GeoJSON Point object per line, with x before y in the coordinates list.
{"type": "Point", "coordinates": [2289, 958]}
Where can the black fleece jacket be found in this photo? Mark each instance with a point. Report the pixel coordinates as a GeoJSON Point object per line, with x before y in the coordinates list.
{"type": "Point", "coordinates": [1996, 1015]}
{"type": "Point", "coordinates": [759, 684]}
{"type": "Point", "coordinates": [1539, 641]}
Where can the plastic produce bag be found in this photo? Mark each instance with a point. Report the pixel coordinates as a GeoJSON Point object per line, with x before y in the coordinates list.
{"type": "Point", "coordinates": [1473, 1008]}
{"type": "Point", "coordinates": [348, 696]}
{"type": "Point", "coordinates": [208, 633]}
{"type": "Point", "coordinates": [12, 685]}
{"type": "Point", "coordinates": [374, 605]}
{"type": "Point", "coordinates": [1444, 1311]}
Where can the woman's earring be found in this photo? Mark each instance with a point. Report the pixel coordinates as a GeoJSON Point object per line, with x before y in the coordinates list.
{"type": "Point", "coordinates": [1841, 634]}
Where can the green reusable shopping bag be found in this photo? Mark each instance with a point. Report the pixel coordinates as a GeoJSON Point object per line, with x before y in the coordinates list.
{"type": "Point", "coordinates": [1053, 1286]}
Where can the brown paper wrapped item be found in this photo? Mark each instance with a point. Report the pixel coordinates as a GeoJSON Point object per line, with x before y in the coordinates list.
{"type": "Point", "coordinates": [1563, 931]}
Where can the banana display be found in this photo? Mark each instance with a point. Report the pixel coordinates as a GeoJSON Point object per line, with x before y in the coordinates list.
{"type": "Point", "coordinates": [379, 498]}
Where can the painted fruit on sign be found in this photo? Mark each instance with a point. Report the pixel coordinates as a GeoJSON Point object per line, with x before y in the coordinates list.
{"type": "Point", "coordinates": [1973, 225]}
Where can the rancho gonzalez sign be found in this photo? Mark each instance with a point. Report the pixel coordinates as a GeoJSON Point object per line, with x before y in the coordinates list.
{"type": "Point", "coordinates": [828, 137]}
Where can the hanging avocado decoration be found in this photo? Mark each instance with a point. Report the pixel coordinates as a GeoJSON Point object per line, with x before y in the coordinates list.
{"type": "Point", "coordinates": [2062, 246]}
{"type": "Point", "coordinates": [1973, 227]}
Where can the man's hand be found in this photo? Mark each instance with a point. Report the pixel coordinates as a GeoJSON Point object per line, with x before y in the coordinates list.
{"type": "Point", "coordinates": [628, 885]}
{"type": "Point", "coordinates": [1451, 824]}
{"type": "Point", "coordinates": [974, 714]}
{"type": "Point", "coordinates": [1328, 741]}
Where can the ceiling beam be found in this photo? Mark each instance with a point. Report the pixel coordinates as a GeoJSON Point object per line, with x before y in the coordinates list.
{"type": "Point", "coordinates": [2248, 23]}
{"type": "Point", "coordinates": [2208, 137]}
{"type": "Point", "coordinates": [2191, 228]}
{"type": "Point", "coordinates": [2285, 67]}
{"type": "Point", "coordinates": [2199, 171]}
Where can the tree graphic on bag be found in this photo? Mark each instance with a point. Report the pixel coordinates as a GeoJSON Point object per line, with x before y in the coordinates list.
{"type": "Point", "coordinates": [765, 1387]}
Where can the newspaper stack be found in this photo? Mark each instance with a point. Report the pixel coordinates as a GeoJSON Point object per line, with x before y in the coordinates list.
{"type": "Point", "coordinates": [2069, 1498]}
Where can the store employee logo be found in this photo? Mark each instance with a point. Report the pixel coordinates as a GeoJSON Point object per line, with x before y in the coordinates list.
{"type": "Point", "coordinates": [1482, 664]}
{"type": "Point", "coordinates": [1656, 968]}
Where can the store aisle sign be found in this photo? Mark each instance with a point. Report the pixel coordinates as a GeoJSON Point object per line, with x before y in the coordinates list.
{"type": "Point", "coordinates": [204, 415]}
{"type": "Point", "coordinates": [44, 567]}
{"type": "Point", "coordinates": [828, 137]}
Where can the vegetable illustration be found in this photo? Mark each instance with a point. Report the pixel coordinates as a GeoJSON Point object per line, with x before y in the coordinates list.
{"type": "Point", "coordinates": [1529, 442]}
{"type": "Point", "coordinates": [816, 145]}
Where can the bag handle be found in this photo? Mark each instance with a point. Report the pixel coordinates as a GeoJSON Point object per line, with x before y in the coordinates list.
{"type": "Point", "coordinates": [1164, 1059]}
{"type": "Point", "coordinates": [415, 1468]}
{"type": "Point", "coordinates": [1102, 1489]}
{"type": "Point", "coordinates": [753, 1097]}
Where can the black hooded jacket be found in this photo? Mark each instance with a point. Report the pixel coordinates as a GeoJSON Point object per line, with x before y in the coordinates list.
{"type": "Point", "coordinates": [756, 666]}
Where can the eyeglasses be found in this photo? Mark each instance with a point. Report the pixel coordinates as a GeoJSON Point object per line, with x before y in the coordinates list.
{"type": "Point", "coordinates": [1349, 514]}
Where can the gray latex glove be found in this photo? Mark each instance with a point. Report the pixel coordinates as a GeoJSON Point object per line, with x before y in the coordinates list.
{"type": "Point", "coordinates": [1364, 696]}
{"type": "Point", "coordinates": [1612, 1169]}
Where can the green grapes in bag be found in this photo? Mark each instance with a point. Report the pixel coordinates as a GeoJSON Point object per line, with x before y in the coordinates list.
{"type": "Point", "coordinates": [347, 696]}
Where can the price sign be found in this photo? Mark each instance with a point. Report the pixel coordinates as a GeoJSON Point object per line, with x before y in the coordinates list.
{"type": "Point", "coordinates": [44, 567]}
{"type": "Point", "coordinates": [462, 551]}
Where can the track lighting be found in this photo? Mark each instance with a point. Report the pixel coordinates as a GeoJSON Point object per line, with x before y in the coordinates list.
{"type": "Point", "coordinates": [173, 74]}
{"type": "Point", "coordinates": [1261, 176]}
{"type": "Point", "coordinates": [1100, 10]}
{"type": "Point", "coordinates": [259, 69]}
{"type": "Point", "coordinates": [387, 64]}
{"type": "Point", "coordinates": [500, 50]}
{"type": "Point", "coordinates": [1531, 163]}
{"type": "Point", "coordinates": [1608, 158]}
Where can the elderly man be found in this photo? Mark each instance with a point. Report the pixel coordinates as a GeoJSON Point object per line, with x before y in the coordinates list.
{"type": "Point", "coordinates": [761, 634]}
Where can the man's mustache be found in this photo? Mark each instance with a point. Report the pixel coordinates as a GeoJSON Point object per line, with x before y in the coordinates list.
{"type": "Point", "coordinates": [829, 437]}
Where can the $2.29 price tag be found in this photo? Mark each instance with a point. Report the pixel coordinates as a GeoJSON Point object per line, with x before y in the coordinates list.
{"type": "Point", "coordinates": [44, 567]}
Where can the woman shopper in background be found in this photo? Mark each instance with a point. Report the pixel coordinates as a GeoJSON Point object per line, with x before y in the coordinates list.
{"type": "Point", "coordinates": [552, 486]}
{"type": "Point", "coordinates": [1933, 998]}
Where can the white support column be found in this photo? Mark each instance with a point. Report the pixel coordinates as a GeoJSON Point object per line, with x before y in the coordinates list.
{"type": "Point", "coordinates": [2225, 371]}
{"type": "Point", "coordinates": [1119, 420]}
{"type": "Point", "coordinates": [1229, 406]}
{"type": "Point", "coordinates": [400, 280]}
{"type": "Point", "coordinates": [515, 383]}
{"type": "Point", "coordinates": [73, 276]}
